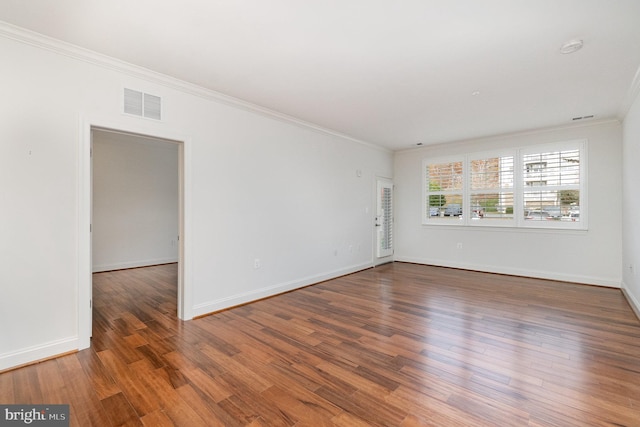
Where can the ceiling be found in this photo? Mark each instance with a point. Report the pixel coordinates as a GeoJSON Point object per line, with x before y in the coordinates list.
{"type": "Point", "coordinates": [392, 73]}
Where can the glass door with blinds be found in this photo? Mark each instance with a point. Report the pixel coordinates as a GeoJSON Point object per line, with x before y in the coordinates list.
{"type": "Point", "coordinates": [384, 218]}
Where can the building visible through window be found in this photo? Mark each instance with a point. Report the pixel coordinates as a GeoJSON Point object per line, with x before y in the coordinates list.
{"type": "Point", "coordinates": [532, 186]}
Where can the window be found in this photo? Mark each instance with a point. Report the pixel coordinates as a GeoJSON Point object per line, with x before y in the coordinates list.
{"type": "Point", "coordinates": [557, 185]}
{"type": "Point", "coordinates": [536, 187]}
{"type": "Point", "coordinates": [446, 181]}
{"type": "Point", "coordinates": [491, 188]}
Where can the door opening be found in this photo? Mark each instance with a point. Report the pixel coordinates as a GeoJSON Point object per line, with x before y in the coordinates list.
{"type": "Point", "coordinates": [85, 244]}
{"type": "Point", "coordinates": [135, 206]}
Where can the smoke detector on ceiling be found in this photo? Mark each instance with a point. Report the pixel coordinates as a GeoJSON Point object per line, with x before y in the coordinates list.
{"type": "Point", "coordinates": [571, 46]}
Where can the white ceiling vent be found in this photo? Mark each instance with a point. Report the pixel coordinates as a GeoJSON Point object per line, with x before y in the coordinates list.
{"type": "Point", "coordinates": [583, 117]}
{"type": "Point", "coordinates": [142, 104]}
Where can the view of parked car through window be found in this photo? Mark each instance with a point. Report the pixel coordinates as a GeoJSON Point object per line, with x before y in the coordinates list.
{"type": "Point", "coordinates": [544, 182]}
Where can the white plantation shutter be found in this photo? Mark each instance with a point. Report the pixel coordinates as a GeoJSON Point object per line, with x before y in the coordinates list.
{"type": "Point", "coordinates": [387, 229]}
{"type": "Point", "coordinates": [491, 185]}
{"type": "Point", "coordinates": [444, 186]}
{"type": "Point", "coordinates": [384, 218]}
{"type": "Point", "coordinates": [541, 186]}
{"type": "Point", "coordinates": [551, 181]}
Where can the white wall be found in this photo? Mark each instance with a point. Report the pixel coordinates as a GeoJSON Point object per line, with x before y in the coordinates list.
{"type": "Point", "coordinates": [631, 205]}
{"type": "Point", "coordinates": [259, 187]}
{"type": "Point", "coordinates": [592, 256]}
{"type": "Point", "coordinates": [135, 201]}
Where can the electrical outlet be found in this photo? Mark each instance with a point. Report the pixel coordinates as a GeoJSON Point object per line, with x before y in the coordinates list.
{"type": "Point", "coordinates": [459, 246]}
{"type": "Point", "coordinates": [256, 263]}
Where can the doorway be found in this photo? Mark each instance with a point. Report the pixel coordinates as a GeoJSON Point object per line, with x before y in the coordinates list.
{"type": "Point", "coordinates": [134, 201]}
{"type": "Point", "coordinates": [150, 134]}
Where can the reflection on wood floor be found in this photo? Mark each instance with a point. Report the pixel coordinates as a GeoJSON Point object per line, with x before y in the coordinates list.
{"type": "Point", "coordinates": [398, 345]}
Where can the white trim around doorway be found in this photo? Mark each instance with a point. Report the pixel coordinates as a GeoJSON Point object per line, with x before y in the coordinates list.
{"type": "Point", "coordinates": [84, 279]}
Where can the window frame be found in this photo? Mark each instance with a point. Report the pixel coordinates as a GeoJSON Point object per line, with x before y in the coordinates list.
{"type": "Point", "coordinates": [502, 222]}
{"type": "Point", "coordinates": [454, 220]}
{"type": "Point", "coordinates": [520, 187]}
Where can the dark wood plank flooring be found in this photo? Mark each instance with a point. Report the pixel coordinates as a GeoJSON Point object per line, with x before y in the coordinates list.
{"type": "Point", "coordinates": [398, 345]}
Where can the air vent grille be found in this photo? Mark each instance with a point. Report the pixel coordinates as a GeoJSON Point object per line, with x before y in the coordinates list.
{"type": "Point", "coordinates": [133, 102]}
{"type": "Point", "coordinates": [583, 117]}
{"type": "Point", "coordinates": [152, 106]}
{"type": "Point", "coordinates": [142, 104]}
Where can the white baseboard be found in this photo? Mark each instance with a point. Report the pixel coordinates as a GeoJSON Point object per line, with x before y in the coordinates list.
{"type": "Point", "coordinates": [539, 274]}
{"type": "Point", "coordinates": [631, 299]}
{"type": "Point", "coordinates": [239, 299]}
{"type": "Point", "coordinates": [132, 264]}
{"type": "Point", "coordinates": [38, 352]}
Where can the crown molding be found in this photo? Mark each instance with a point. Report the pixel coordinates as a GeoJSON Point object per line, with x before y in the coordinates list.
{"type": "Point", "coordinates": [502, 136]}
{"type": "Point", "coordinates": [632, 94]}
{"type": "Point", "coordinates": [41, 41]}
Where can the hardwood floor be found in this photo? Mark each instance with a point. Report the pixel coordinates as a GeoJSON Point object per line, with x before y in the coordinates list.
{"type": "Point", "coordinates": [398, 345]}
